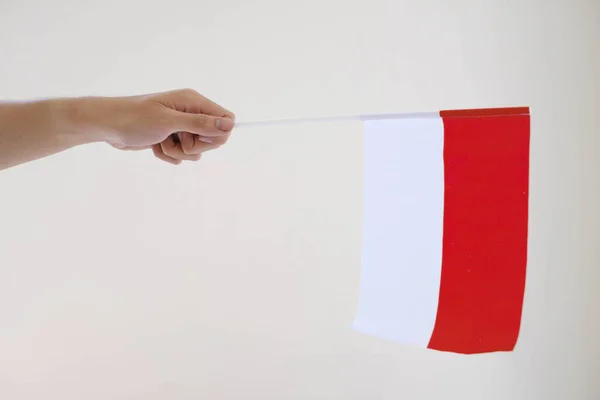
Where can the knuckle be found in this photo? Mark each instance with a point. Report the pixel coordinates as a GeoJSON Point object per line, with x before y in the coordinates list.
{"type": "Point", "coordinates": [168, 150]}
{"type": "Point", "coordinates": [187, 142]}
{"type": "Point", "coordinates": [221, 140]}
{"type": "Point", "coordinates": [187, 148]}
{"type": "Point", "coordinates": [201, 120]}
{"type": "Point", "coordinates": [189, 92]}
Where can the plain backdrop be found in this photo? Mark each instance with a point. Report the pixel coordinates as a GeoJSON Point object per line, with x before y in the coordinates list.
{"type": "Point", "coordinates": [122, 277]}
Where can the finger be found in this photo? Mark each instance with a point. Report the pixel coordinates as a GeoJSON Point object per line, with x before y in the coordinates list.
{"type": "Point", "coordinates": [130, 148]}
{"type": "Point", "coordinates": [171, 148]}
{"type": "Point", "coordinates": [194, 144]}
{"type": "Point", "coordinates": [201, 124]}
{"type": "Point", "coordinates": [220, 140]}
{"type": "Point", "coordinates": [199, 104]}
{"type": "Point", "coordinates": [157, 150]}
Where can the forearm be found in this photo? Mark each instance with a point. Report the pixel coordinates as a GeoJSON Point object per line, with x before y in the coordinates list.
{"type": "Point", "coordinates": [35, 129]}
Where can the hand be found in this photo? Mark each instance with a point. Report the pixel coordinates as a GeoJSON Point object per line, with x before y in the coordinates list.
{"type": "Point", "coordinates": [178, 125]}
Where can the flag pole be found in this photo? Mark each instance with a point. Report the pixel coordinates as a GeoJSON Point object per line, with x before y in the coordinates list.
{"type": "Point", "coordinates": [335, 118]}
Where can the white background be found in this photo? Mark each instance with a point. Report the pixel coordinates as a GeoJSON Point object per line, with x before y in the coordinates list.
{"type": "Point", "coordinates": [125, 278]}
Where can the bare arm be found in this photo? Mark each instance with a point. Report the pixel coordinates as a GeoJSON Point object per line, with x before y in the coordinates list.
{"type": "Point", "coordinates": [35, 129]}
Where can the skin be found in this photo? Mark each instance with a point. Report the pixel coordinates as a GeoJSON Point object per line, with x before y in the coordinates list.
{"type": "Point", "coordinates": [177, 125]}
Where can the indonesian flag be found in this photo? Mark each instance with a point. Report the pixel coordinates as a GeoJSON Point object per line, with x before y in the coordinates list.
{"type": "Point", "coordinates": [445, 229]}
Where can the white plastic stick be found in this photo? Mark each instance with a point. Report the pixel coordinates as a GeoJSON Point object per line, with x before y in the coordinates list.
{"type": "Point", "coordinates": [339, 118]}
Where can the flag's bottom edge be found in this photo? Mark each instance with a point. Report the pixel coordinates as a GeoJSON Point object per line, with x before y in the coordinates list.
{"type": "Point", "coordinates": [359, 328]}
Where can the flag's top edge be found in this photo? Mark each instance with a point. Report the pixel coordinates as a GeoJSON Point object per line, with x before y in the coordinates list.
{"type": "Point", "coordinates": [465, 113]}
{"type": "Point", "coordinates": [460, 113]}
{"type": "Point", "coordinates": [485, 112]}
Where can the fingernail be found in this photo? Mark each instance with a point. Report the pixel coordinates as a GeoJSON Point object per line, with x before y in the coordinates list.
{"type": "Point", "coordinates": [224, 124]}
{"type": "Point", "coordinates": [204, 139]}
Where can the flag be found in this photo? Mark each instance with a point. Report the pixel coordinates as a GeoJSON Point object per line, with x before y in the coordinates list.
{"type": "Point", "coordinates": [445, 229]}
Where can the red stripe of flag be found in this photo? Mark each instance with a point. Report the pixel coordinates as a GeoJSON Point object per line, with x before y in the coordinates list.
{"type": "Point", "coordinates": [486, 172]}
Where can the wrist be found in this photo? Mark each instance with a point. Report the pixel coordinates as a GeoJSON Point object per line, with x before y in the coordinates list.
{"type": "Point", "coordinates": [79, 119]}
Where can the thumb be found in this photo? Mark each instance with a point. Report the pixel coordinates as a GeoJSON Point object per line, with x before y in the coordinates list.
{"type": "Point", "coordinates": [201, 124]}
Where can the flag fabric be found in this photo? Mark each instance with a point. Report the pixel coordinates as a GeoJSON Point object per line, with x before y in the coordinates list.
{"type": "Point", "coordinates": [445, 229]}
